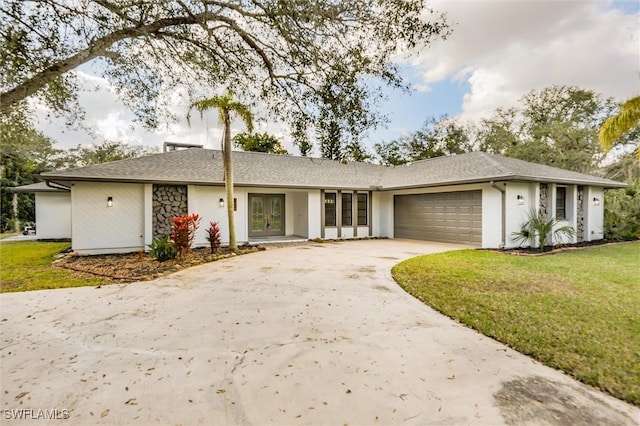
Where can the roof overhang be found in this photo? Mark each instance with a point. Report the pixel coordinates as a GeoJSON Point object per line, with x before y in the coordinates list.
{"type": "Point", "coordinates": [510, 178]}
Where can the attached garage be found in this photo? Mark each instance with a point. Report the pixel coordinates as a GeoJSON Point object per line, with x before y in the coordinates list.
{"type": "Point", "coordinates": [450, 217]}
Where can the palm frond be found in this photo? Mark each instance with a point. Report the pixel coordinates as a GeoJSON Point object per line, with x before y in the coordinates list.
{"type": "Point", "coordinates": [223, 104]}
{"type": "Point", "coordinates": [243, 112]}
{"type": "Point", "coordinates": [618, 125]}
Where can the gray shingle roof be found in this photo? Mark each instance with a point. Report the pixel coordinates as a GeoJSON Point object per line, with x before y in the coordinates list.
{"type": "Point", "coordinates": [202, 166]}
{"type": "Point", "coordinates": [484, 167]}
{"type": "Point", "coordinates": [36, 187]}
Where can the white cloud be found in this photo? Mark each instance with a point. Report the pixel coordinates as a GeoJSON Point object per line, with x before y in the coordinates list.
{"type": "Point", "coordinates": [108, 119]}
{"type": "Point", "coordinates": [507, 48]}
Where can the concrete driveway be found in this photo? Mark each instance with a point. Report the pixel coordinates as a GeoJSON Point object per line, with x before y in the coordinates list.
{"type": "Point", "coordinates": [307, 334]}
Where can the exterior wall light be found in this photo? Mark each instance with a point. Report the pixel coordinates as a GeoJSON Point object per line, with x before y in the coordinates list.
{"type": "Point", "coordinates": [109, 201]}
{"type": "Point", "coordinates": [520, 199]}
{"type": "Point", "coordinates": [221, 202]}
{"type": "Point", "coordinates": [596, 201]}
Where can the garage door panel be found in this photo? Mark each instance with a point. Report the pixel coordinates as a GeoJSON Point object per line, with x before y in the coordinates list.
{"type": "Point", "coordinates": [454, 217]}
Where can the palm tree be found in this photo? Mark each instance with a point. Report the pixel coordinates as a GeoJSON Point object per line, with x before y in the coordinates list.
{"type": "Point", "coordinates": [618, 125]}
{"type": "Point", "coordinates": [538, 228]}
{"type": "Point", "coordinates": [226, 107]}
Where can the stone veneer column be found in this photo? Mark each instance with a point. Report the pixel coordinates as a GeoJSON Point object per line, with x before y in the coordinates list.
{"type": "Point", "coordinates": [580, 212]}
{"type": "Point", "coordinates": [544, 199]}
{"type": "Point", "coordinates": [168, 201]}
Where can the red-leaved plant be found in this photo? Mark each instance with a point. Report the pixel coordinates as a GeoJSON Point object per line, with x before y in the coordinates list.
{"type": "Point", "coordinates": [213, 236]}
{"type": "Point", "coordinates": [183, 231]}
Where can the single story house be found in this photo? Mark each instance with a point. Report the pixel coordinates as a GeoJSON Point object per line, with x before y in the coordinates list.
{"type": "Point", "coordinates": [476, 199]}
{"type": "Point", "coordinates": [53, 210]}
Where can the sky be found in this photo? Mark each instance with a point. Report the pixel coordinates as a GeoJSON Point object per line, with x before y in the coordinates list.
{"type": "Point", "coordinates": [499, 50]}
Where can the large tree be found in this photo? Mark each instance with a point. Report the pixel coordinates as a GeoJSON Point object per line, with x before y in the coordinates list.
{"type": "Point", "coordinates": [300, 58]}
{"type": "Point", "coordinates": [329, 136]}
{"type": "Point", "coordinates": [227, 107]}
{"type": "Point", "coordinates": [437, 137]}
{"type": "Point", "coordinates": [258, 142]}
{"type": "Point", "coordinates": [23, 152]}
{"type": "Point", "coordinates": [86, 155]}
{"type": "Point", "coordinates": [556, 126]}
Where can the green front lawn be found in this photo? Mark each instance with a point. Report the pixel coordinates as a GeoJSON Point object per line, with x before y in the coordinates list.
{"type": "Point", "coordinates": [26, 265]}
{"type": "Point", "coordinates": [577, 311]}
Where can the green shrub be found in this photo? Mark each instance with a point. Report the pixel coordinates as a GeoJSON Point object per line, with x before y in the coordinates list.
{"type": "Point", "coordinates": [539, 228]}
{"type": "Point", "coordinates": [622, 213]}
{"type": "Point", "coordinates": [162, 249]}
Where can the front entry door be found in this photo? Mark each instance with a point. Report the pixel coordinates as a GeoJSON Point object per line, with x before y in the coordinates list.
{"type": "Point", "coordinates": [266, 215]}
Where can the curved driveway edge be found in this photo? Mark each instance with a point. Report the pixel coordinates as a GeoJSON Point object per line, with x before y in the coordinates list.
{"type": "Point", "coordinates": [305, 334]}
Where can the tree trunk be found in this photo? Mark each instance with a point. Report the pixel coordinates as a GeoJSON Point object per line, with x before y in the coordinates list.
{"type": "Point", "coordinates": [14, 205]}
{"type": "Point", "coordinates": [228, 180]}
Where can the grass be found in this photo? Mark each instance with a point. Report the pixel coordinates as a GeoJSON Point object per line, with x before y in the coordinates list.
{"type": "Point", "coordinates": [576, 311]}
{"type": "Point", "coordinates": [26, 265]}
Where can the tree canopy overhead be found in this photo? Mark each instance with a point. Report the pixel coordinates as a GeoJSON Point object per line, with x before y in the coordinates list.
{"type": "Point", "coordinates": [304, 59]}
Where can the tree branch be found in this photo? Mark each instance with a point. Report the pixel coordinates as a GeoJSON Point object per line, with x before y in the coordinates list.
{"type": "Point", "coordinates": [99, 48]}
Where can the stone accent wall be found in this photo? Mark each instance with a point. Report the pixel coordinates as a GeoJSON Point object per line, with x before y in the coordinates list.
{"type": "Point", "coordinates": [168, 201]}
{"type": "Point", "coordinates": [544, 199]}
{"type": "Point", "coordinates": [580, 230]}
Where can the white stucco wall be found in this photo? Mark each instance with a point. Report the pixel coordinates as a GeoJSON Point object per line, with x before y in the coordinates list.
{"type": "Point", "coordinates": [347, 232]}
{"type": "Point", "coordinates": [127, 226]}
{"type": "Point", "coordinates": [331, 233]}
{"type": "Point", "coordinates": [382, 222]}
{"type": "Point", "coordinates": [300, 206]}
{"type": "Point", "coordinates": [204, 200]}
{"type": "Point", "coordinates": [518, 214]}
{"type": "Point", "coordinates": [98, 229]}
{"type": "Point", "coordinates": [53, 215]}
{"type": "Point", "coordinates": [314, 206]}
{"type": "Point", "coordinates": [593, 215]}
{"type": "Point", "coordinates": [148, 215]}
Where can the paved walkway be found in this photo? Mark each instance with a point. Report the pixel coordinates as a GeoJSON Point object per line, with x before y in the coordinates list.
{"type": "Point", "coordinates": [20, 237]}
{"type": "Point", "coordinates": [308, 334]}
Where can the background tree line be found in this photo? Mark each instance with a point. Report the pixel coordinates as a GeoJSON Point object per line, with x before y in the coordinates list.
{"type": "Point", "coordinates": [27, 152]}
{"type": "Point", "coordinates": [557, 126]}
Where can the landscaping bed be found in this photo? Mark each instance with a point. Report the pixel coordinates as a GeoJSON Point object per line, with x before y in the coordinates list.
{"type": "Point", "coordinates": [141, 266]}
{"type": "Point", "coordinates": [559, 248]}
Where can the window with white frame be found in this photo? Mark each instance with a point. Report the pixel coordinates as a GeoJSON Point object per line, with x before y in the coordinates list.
{"type": "Point", "coordinates": [561, 203]}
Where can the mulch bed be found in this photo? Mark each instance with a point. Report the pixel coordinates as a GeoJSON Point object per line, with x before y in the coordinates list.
{"type": "Point", "coordinates": [529, 251]}
{"type": "Point", "coordinates": [140, 266]}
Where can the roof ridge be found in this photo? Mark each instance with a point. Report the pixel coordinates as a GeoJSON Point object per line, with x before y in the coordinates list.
{"type": "Point", "coordinates": [493, 158]}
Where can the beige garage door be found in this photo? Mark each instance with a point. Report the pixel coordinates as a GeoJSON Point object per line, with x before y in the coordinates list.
{"type": "Point", "coordinates": [451, 217]}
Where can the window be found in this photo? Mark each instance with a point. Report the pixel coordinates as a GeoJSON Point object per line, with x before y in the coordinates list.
{"type": "Point", "coordinates": [347, 209]}
{"type": "Point", "coordinates": [362, 210]}
{"type": "Point", "coordinates": [561, 203]}
{"type": "Point", "coordinates": [329, 209]}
